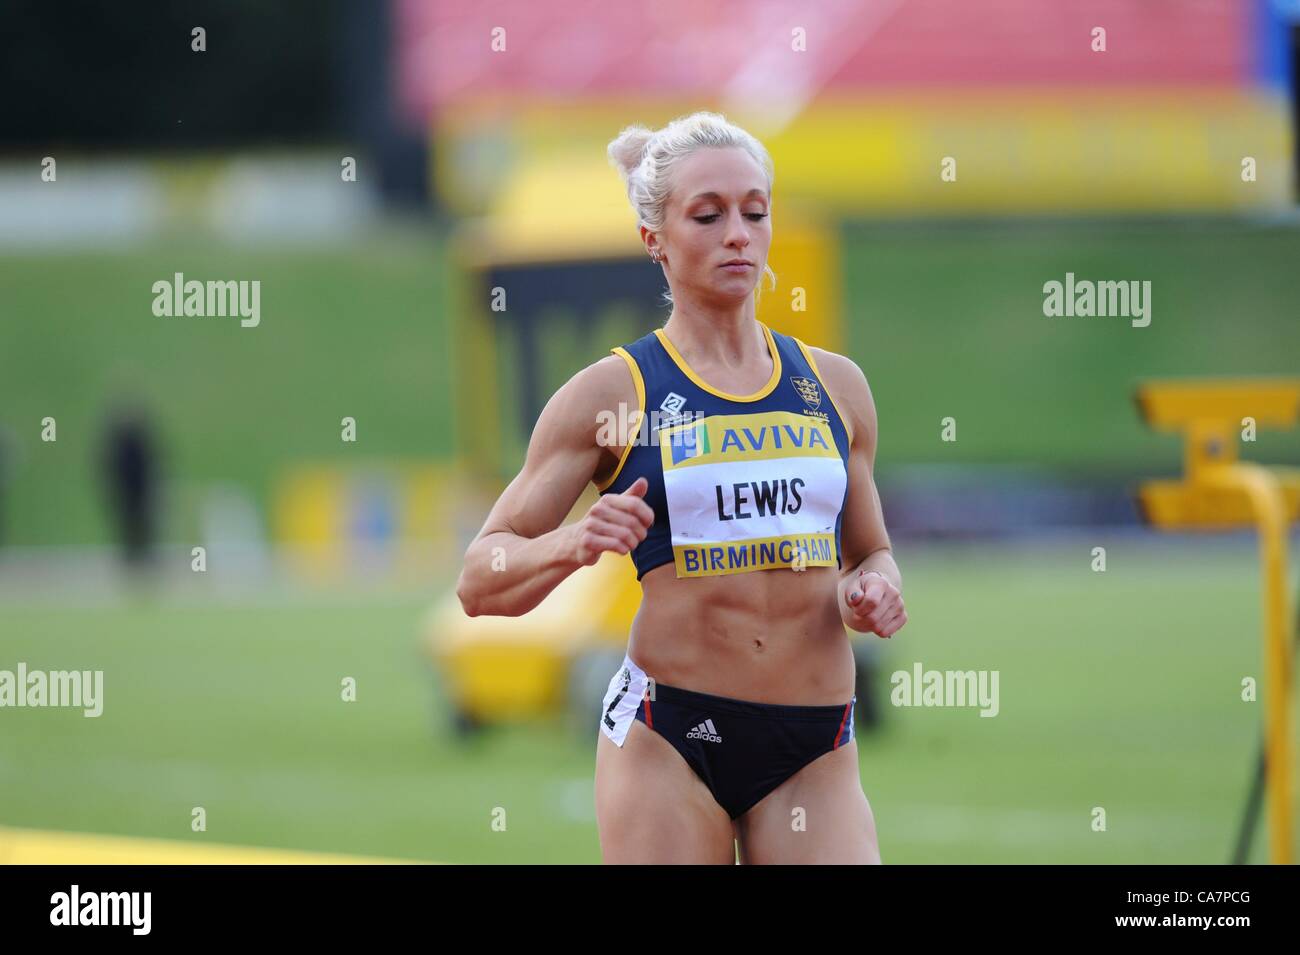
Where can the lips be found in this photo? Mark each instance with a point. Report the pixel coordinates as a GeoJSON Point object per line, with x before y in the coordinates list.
{"type": "Point", "coordinates": [737, 264]}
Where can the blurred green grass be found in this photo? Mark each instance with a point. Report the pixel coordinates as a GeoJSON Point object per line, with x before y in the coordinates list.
{"type": "Point", "coordinates": [1118, 689]}
{"type": "Point", "coordinates": [944, 319]}
{"type": "Point", "coordinates": [351, 330]}
{"type": "Point", "coordinates": [949, 321]}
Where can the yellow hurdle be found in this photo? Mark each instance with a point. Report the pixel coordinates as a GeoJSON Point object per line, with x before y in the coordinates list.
{"type": "Point", "coordinates": [1219, 492]}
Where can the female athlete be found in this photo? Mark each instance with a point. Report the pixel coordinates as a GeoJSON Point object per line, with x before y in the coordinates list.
{"type": "Point", "coordinates": [747, 502]}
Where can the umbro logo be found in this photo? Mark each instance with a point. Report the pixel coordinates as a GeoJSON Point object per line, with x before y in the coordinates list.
{"type": "Point", "coordinates": [672, 410]}
{"type": "Point", "coordinates": [706, 732]}
{"type": "Point", "coordinates": [673, 404]}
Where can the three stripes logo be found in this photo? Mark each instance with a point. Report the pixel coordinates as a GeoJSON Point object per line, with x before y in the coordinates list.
{"type": "Point", "coordinates": [705, 731]}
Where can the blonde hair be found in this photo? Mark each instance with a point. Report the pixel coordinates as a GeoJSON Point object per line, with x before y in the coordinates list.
{"type": "Point", "coordinates": [647, 158]}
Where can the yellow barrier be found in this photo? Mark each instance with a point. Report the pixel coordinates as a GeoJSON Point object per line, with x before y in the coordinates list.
{"type": "Point", "coordinates": [1218, 492]}
{"type": "Point", "coordinates": [318, 512]}
{"type": "Point", "coordinates": [40, 847]}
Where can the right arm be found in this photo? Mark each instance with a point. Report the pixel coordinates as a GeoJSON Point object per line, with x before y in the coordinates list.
{"type": "Point", "coordinates": [522, 553]}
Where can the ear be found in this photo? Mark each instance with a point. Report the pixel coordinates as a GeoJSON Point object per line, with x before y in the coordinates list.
{"type": "Point", "coordinates": [649, 240]}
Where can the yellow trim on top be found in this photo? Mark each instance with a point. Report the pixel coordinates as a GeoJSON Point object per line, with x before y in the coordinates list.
{"type": "Point", "coordinates": [763, 392]}
{"type": "Point", "coordinates": [639, 382]}
{"type": "Point", "coordinates": [848, 427]}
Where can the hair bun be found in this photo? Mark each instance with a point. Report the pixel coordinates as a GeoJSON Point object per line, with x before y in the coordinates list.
{"type": "Point", "coordinates": [628, 148]}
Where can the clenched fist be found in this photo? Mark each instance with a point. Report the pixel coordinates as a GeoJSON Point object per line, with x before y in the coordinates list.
{"type": "Point", "coordinates": [869, 603]}
{"type": "Point", "coordinates": [616, 522]}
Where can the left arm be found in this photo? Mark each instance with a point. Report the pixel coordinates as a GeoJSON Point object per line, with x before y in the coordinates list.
{"type": "Point", "coordinates": [869, 591]}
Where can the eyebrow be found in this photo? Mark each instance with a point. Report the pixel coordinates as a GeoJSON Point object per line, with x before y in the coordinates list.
{"type": "Point", "coordinates": [713, 195]}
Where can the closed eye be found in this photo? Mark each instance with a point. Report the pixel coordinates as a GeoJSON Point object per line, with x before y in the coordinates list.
{"type": "Point", "coordinates": [751, 216]}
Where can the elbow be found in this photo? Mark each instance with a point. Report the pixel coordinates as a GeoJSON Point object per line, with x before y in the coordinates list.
{"type": "Point", "coordinates": [476, 603]}
{"type": "Point", "coordinates": [485, 593]}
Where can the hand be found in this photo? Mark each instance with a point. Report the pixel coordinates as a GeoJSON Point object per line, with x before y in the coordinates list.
{"type": "Point", "coordinates": [616, 522]}
{"type": "Point", "coordinates": [871, 604]}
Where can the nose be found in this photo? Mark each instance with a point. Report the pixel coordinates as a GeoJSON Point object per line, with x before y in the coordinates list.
{"type": "Point", "coordinates": [737, 235]}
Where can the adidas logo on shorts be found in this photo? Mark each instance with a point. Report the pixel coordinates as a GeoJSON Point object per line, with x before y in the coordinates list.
{"type": "Point", "coordinates": [706, 732]}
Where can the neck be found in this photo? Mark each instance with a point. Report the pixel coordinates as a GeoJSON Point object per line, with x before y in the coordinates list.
{"type": "Point", "coordinates": [729, 334]}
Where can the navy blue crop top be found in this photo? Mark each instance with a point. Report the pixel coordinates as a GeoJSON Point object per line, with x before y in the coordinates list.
{"type": "Point", "coordinates": [737, 482]}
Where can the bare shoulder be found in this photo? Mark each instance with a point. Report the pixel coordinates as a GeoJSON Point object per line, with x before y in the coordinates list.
{"type": "Point", "coordinates": [575, 412]}
{"type": "Point", "coordinates": [604, 385]}
{"type": "Point", "coordinates": [609, 377]}
{"type": "Point", "coordinates": [848, 386]}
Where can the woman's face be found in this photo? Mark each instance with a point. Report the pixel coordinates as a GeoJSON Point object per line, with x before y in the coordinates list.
{"type": "Point", "coordinates": [718, 211]}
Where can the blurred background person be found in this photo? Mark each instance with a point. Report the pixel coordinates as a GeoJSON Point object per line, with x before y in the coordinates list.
{"type": "Point", "coordinates": [131, 474]}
